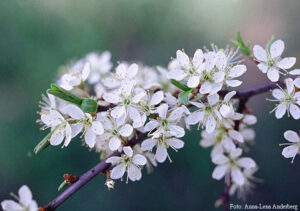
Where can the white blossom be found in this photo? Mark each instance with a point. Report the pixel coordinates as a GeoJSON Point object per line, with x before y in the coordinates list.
{"type": "Point", "coordinates": [293, 149]}
{"type": "Point", "coordinates": [232, 164]}
{"type": "Point", "coordinates": [166, 123]}
{"type": "Point", "coordinates": [162, 143]}
{"type": "Point", "coordinates": [129, 163]}
{"type": "Point", "coordinates": [84, 122]}
{"type": "Point", "coordinates": [288, 99]}
{"type": "Point", "coordinates": [270, 60]}
{"type": "Point", "coordinates": [25, 201]}
{"type": "Point", "coordinates": [207, 114]}
{"type": "Point", "coordinates": [77, 74]}
{"type": "Point", "coordinates": [100, 65]}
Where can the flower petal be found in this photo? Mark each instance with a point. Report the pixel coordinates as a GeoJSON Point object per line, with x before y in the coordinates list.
{"type": "Point", "coordinates": [193, 81]}
{"type": "Point", "coordinates": [148, 144]}
{"type": "Point", "coordinates": [295, 72]}
{"type": "Point", "coordinates": [297, 82]}
{"type": "Point", "coordinates": [291, 136]}
{"type": "Point", "coordinates": [90, 137]}
{"type": "Point", "coordinates": [273, 74]}
{"type": "Point", "coordinates": [210, 124]}
{"type": "Point", "coordinates": [176, 131]}
{"type": "Point", "coordinates": [206, 88]}
{"type": "Point", "coordinates": [237, 176]}
{"type": "Point", "coordinates": [195, 117]}
{"type": "Point", "coordinates": [276, 48]}
{"type": "Point", "coordinates": [286, 63]}
{"type": "Point", "coordinates": [260, 53]}
{"type": "Point", "coordinates": [219, 172]}
{"type": "Point", "coordinates": [295, 111]}
{"type": "Point", "coordinates": [57, 137]}
{"type": "Point", "coordinates": [278, 94]}
{"type": "Point", "coordinates": [246, 162]}
{"type": "Point", "coordinates": [134, 173]}
{"type": "Point", "coordinates": [156, 98]}
{"type": "Point", "coordinates": [132, 71]}
{"type": "Point", "coordinates": [128, 151]}
{"type": "Point", "coordinates": [162, 110]}
{"type": "Point", "coordinates": [161, 154]}
{"type": "Point", "coordinates": [290, 151]}
{"type": "Point", "coordinates": [233, 83]}
{"type": "Point", "coordinates": [237, 71]}
{"type": "Point", "coordinates": [182, 58]}
{"type": "Point", "coordinates": [176, 74]}
{"type": "Point", "coordinates": [117, 172]}
{"type": "Point", "coordinates": [118, 111]}
{"type": "Point", "coordinates": [280, 110]}
{"type": "Point", "coordinates": [175, 143]}
{"type": "Point", "coordinates": [213, 99]}
{"type": "Point", "coordinates": [263, 67]}
{"type": "Point", "coordinates": [198, 58]}
{"type": "Point", "coordinates": [97, 127]}
{"type": "Point", "coordinates": [114, 143]}
{"type": "Point", "coordinates": [25, 195]}
{"type": "Point", "coordinates": [139, 160]}
{"type": "Point", "coordinates": [236, 135]}
{"type": "Point", "coordinates": [74, 111]}
{"type": "Point", "coordinates": [151, 125]}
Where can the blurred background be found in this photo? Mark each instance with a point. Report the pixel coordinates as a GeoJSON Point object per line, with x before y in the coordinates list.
{"type": "Point", "coordinates": [36, 37]}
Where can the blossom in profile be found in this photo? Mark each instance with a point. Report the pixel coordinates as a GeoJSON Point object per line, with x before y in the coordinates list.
{"type": "Point", "coordinates": [270, 61]}
{"type": "Point", "coordinates": [293, 147]}
{"type": "Point", "coordinates": [25, 201]}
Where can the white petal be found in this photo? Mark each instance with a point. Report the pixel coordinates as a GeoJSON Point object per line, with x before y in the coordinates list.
{"type": "Point", "coordinates": [176, 114]}
{"type": "Point", "coordinates": [237, 176]}
{"type": "Point", "coordinates": [219, 172]}
{"type": "Point", "coordinates": [280, 110]}
{"type": "Point", "coordinates": [236, 152]}
{"type": "Point", "coordinates": [68, 134]}
{"type": "Point", "coordinates": [175, 143]}
{"type": "Point", "coordinates": [85, 71]}
{"type": "Point", "coordinates": [295, 72]}
{"type": "Point", "coordinates": [295, 111]}
{"type": "Point", "coordinates": [118, 111]}
{"type": "Point", "coordinates": [260, 53]}
{"type": "Point", "coordinates": [250, 119]}
{"type": "Point", "coordinates": [151, 125]}
{"type": "Point", "coordinates": [290, 151]}
{"type": "Point", "coordinates": [176, 131]}
{"type": "Point", "coordinates": [220, 159]}
{"type": "Point", "coordinates": [276, 48]}
{"type": "Point", "coordinates": [114, 143]}
{"type": "Point", "coordinates": [132, 70]}
{"type": "Point", "coordinates": [117, 172]}
{"type": "Point", "coordinates": [126, 130]}
{"type": "Point", "coordinates": [182, 58]}
{"type": "Point", "coordinates": [263, 67]}
{"type": "Point", "coordinates": [127, 86]}
{"type": "Point", "coordinates": [246, 162]}
{"type": "Point", "coordinates": [210, 124]}
{"type": "Point", "coordinates": [213, 99]}
{"type": "Point", "coordinates": [161, 154]}
{"type": "Point", "coordinates": [134, 173]}
{"type": "Point", "coordinates": [198, 58]}
{"type": "Point", "coordinates": [128, 151]}
{"type": "Point", "coordinates": [229, 95]}
{"type": "Point", "coordinates": [206, 88]}
{"type": "Point", "coordinates": [157, 97]}
{"type": "Point", "coordinates": [10, 205]}
{"type": "Point", "coordinates": [221, 60]}
{"type": "Point", "coordinates": [273, 74]}
{"type": "Point", "coordinates": [286, 63]}
{"type": "Point", "coordinates": [236, 135]}
{"type": "Point", "coordinates": [210, 60]}
{"type": "Point", "coordinates": [138, 97]}
{"type": "Point", "coordinates": [74, 111]}
{"type": "Point", "coordinates": [90, 137]}
{"type": "Point", "coordinates": [228, 144]}
{"type": "Point", "coordinates": [226, 110]}
{"type": "Point", "coordinates": [193, 81]}
{"type": "Point", "coordinates": [139, 160]}
{"type": "Point", "coordinates": [218, 76]}
{"type": "Point", "coordinates": [297, 82]}
{"type": "Point", "coordinates": [57, 137]}
{"type": "Point", "coordinates": [76, 129]}
{"type": "Point", "coordinates": [233, 83]}
{"type": "Point", "coordinates": [97, 127]}
{"type": "Point", "coordinates": [176, 74]}
{"type": "Point", "coordinates": [121, 70]}
{"type": "Point", "coordinates": [291, 136]}
{"type": "Point", "coordinates": [25, 195]}
{"type": "Point", "coordinates": [237, 71]}
{"type": "Point", "coordinates": [162, 110]}
{"type": "Point", "coordinates": [194, 118]}
{"type": "Point", "coordinates": [113, 160]}
{"type": "Point", "coordinates": [134, 114]}
{"type": "Point", "coordinates": [148, 144]}
{"type": "Point", "coordinates": [112, 97]}
{"type": "Point", "coordinates": [289, 85]}
{"type": "Point", "coordinates": [278, 94]}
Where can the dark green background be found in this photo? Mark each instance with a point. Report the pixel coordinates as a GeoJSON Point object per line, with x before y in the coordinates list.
{"type": "Point", "coordinates": [37, 36]}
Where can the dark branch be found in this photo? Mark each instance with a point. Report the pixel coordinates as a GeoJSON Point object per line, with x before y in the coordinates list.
{"type": "Point", "coordinates": [86, 177]}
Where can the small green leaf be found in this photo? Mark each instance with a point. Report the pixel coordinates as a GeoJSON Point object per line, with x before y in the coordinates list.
{"type": "Point", "coordinates": [62, 185]}
{"type": "Point", "coordinates": [239, 43]}
{"type": "Point", "coordinates": [64, 94]}
{"type": "Point", "coordinates": [180, 85]}
{"type": "Point", "coordinates": [185, 96]}
{"type": "Point", "coordinates": [43, 144]}
{"type": "Point", "coordinates": [89, 105]}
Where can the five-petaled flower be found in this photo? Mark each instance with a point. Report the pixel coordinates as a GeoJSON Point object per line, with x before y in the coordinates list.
{"type": "Point", "coordinates": [293, 149]}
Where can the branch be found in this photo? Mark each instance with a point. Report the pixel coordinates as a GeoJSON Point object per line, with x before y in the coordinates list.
{"type": "Point", "coordinates": [86, 177]}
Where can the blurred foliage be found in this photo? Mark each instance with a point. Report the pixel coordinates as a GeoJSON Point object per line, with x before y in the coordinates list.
{"type": "Point", "coordinates": [36, 37]}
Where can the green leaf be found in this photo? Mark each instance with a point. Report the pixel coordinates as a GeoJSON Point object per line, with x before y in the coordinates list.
{"type": "Point", "coordinates": [62, 185]}
{"type": "Point", "coordinates": [64, 94]}
{"type": "Point", "coordinates": [180, 85]}
{"type": "Point", "coordinates": [241, 45]}
{"type": "Point", "coordinates": [89, 105]}
{"type": "Point", "coordinates": [272, 39]}
{"type": "Point", "coordinates": [43, 144]}
{"type": "Point", "coordinates": [185, 96]}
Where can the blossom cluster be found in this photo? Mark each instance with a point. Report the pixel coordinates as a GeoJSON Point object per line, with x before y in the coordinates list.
{"type": "Point", "coordinates": [109, 107]}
